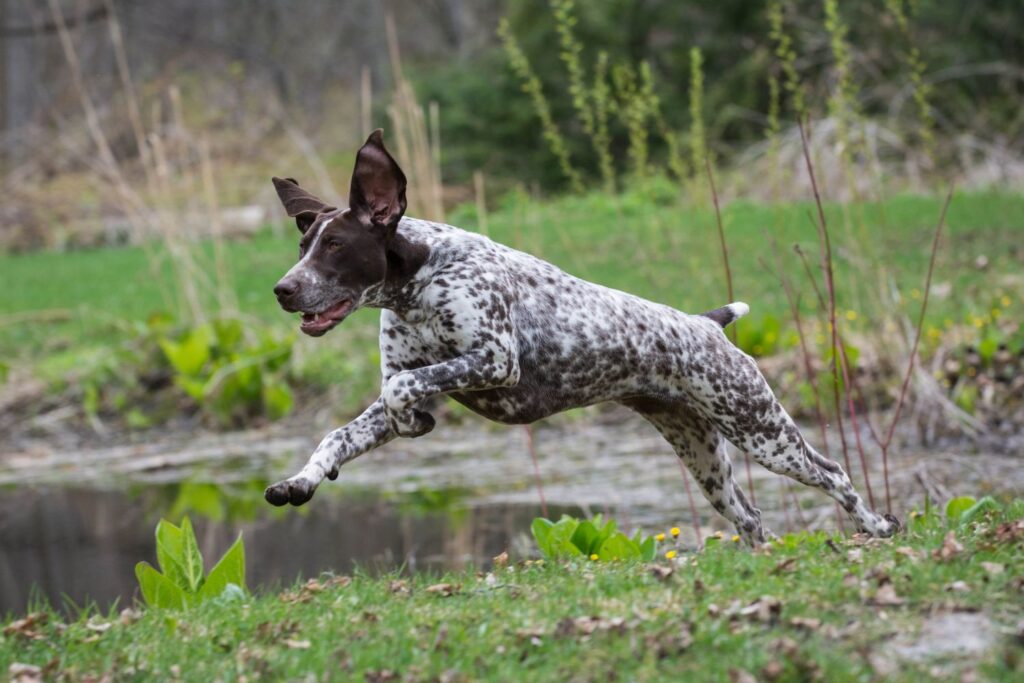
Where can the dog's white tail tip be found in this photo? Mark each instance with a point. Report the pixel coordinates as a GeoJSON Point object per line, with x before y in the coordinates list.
{"type": "Point", "coordinates": [739, 309]}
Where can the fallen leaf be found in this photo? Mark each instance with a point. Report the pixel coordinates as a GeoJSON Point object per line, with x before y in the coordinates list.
{"type": "Point", "coordinates": [661, 571]}
{"type": "Point", "coordinates": [787, 566]}
{"type": "Point", "coordinates": [26, 627]}
{"type": "Point", "coordinates": [993, 568]}
{"type": "Point", "coordinates": [950, 548]}
{"type": "Point", "coordinates": [806, 623]}
{"type": "Point", "coordinates": [382, 676]}
{"type": "Point", "coordinates": [129, 616]}
{"type": "Point", "coordinates": [400, 586]}
{"type": "Point", "coordinates": [673, 642]}
{"type": "Point", "coordinates": [25, 673]}
{"type": "Point", "coordinates": [98, 626]}
{"type": "Point", "coordinates": [765, 609]}
{"type": "Point", "coordinates": [501, 561]}
{"type": "Point", "coordinates": [741, 676]}
{"type": "Point", "coordinates": [772, 671]}
{"type": "Point", "coordinates": [297, 644]}
{"type": "Point", "coordinates": [1009, 532]}
{"type": "Point", "coordinates": [443, 589]}
{"type": "Point", "coordinates": [584, 626]}
{"type": "Point", "coordinates": [909, 553]}
{"type": "Point", "coordinates": [886, 596]}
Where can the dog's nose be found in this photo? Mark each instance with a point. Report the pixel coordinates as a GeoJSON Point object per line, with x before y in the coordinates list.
{"type": "Point", "coordinates": [286, 288]}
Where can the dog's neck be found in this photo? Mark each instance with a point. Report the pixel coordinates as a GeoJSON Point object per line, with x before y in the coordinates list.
{"type": "Point", "coordinates": [399, 291]}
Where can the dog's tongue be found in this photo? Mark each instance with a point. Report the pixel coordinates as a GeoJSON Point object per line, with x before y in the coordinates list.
{"type": "Point", "coordinates": [316, 324]}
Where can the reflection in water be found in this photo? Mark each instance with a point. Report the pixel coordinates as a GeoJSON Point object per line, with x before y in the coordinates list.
{"type": "Point", "coordinates": [83, 544]}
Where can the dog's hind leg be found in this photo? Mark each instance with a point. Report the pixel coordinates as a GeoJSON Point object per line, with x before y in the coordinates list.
{"type": "Point", "coordinates": [739, 403]}
{"type": "Point", "coordinates": [364, 433]}
{"type": "Point", "coordinates": [702, 449]}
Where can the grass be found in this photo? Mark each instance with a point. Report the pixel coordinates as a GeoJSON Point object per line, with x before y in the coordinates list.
{"type": "Point", "coordinates": [820, 608]}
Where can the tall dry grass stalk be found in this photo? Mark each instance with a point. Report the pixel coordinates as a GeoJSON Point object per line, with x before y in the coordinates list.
{"type": "Point", "coordinates": [166, 158]}
{"type": "Point", "coordinates": [416, 135]}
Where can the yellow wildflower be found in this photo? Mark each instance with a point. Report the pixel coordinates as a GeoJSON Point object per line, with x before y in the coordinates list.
{"type": "Point", "coordinates": [659, 538]}
{"type": "Point", "coordinates": [674, 531]}
{"type": "Point", "coordinates": [670, 554]}
{"type": "Point", "coordinates": [735, 538]}
{"type": "Point", "coordinates": [1005, 301]}
{"type": "Point", "coordinates": [594, 557]}
{"type": "Point", "coordinates": [851, 315]}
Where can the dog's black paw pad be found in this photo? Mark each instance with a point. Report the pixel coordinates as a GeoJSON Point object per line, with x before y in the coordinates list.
{"type": "Point", "coordinates": [333, 473]}
{"type": "Point", "coordinates": [294, 492]}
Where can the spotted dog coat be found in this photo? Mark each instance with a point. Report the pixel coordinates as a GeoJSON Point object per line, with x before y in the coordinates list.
{"type": "Point", "coordinates": [515, 339]}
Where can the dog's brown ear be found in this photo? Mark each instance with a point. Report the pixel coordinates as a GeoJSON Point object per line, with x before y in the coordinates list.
{"type": "Point", "coordinates": [377, 195]}
{"type": "Point", "coordinates": [299, 204]}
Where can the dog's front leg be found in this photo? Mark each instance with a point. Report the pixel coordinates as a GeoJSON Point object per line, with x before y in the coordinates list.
{"type": "Point", "coordinates": [481, 369]}
{"type": "Point", "coordinates": [362, 434]}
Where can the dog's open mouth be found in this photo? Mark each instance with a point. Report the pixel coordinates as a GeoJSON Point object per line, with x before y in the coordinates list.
{"type": "Point", "coordinates": [317, 324]}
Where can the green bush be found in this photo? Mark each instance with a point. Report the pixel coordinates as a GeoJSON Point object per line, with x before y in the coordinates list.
{"type": "Point", "coordinates": [595, 539]}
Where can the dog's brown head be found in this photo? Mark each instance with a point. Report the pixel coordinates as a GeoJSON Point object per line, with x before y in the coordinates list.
{"type": "Point", "coordinates": [344, 252]}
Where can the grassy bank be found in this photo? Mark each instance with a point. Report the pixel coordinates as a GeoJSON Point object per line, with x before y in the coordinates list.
{"type": "Point", "coordinates": [643, 243]}
{"type": "Point", "coordinates": [807, 608]}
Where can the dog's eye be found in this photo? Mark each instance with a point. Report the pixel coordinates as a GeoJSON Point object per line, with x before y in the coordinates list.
{"type": "Point", "coordinates": [332, 246]}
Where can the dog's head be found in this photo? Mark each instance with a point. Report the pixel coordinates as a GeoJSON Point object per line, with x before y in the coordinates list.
{"type": "Point", "coordinates": [343, 252]}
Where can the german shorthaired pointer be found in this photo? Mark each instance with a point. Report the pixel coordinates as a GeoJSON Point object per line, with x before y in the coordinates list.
{"type": "Point", "coordinates": [515, 339]}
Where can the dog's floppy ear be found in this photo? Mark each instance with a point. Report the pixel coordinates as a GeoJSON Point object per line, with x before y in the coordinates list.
{"type": "Point", "coordinates": [299, 204]}
{"type": "Point", "coordinates": [377, 195]}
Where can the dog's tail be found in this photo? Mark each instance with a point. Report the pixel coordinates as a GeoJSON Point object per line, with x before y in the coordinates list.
{"type": "Point", "coordinates": [728, 313]}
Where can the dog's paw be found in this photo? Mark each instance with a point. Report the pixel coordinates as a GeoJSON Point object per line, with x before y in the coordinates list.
{"type": "Point", "coordinates": [411, 423]}
{"type": "Point", "coordinates": [294, 491]}
{"type": "Point", "coordinates": [894, 526]}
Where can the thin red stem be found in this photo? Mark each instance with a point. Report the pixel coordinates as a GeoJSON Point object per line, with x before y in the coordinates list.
{"type": "Point", "coordinates": [536, 468]}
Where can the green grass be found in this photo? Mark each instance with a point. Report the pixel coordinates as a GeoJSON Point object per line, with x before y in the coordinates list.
{"type": "Point", "coordinates": [519, 624]}
{"type": "Point", "coordinates": [644, 243]}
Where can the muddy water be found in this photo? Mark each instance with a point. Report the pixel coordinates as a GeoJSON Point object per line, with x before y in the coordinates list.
{"type": "Point", "coordinates": [75, 522]}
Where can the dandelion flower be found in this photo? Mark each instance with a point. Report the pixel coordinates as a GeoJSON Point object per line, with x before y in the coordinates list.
{"type": "Point", "coordinates": [851, 315]}
{"type": "Point", "coordinates": [670, 554]}
{"type": "Point", "coordinates": [659, 538]}
{"type": "Point", "coordinates": [593, 557]}
{"type": "Point", "coordinates": [674, 531]}
{"type": "Point", "coordinates": [735, 538]}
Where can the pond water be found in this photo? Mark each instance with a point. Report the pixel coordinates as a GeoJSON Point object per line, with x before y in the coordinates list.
{"type": "Point", "coordinates": [74, 522]}
{"type": "Point", "coordinates": [81, 545]}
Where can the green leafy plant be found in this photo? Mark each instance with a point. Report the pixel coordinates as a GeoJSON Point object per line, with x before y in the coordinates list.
{"type": "Point", "coordinates": [965, 509]}
{"type": "Point", "coordinates": [226, 373]}
{"type": "Point", "coordinates": [182, 582]}
{"type": "Point", "coordinates": [594, 538]}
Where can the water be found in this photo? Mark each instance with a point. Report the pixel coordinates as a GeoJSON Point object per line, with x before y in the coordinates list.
{"type": "Point", "coordinates": [82, 544]}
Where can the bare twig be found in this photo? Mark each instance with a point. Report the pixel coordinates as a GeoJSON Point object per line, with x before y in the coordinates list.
{"type": "Point", "coordinates": [528, 430]}
{"type": "Point", "coordinates": [913, 349]}
{"type": "Point", "coordinates": [691, 501]}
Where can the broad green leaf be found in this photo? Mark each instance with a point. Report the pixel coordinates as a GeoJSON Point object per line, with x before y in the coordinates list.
{"type": "Point", "coordinates": [982, 507]}
{"type": "Point", "coordinates": [618, 547]}
{"type": "Point", "coordinates": [648, 549]}
{"type": "Point", "coordinates": [584, 538]}
{"type": "Point", "coordinates": [191, 559]}
{"type": "Point", "coordinates": [277, 399]}
{"type": "Point", "coordinates": [541, 530]}
{"type": "Point", "coordinates": [189, 355]}
{"type": "Point", "coordinates": [157, 589]}
{"type": "Point", "coordinates": [230, 570]}
{"type": "Point", "coordinates": [560, 538]}
{"type": "Point", "coordinates": [958, 506]}
{"type": "Point", "coordinates": [170, 547]}
{"type": "Point", "coordinates": [228, 333]}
